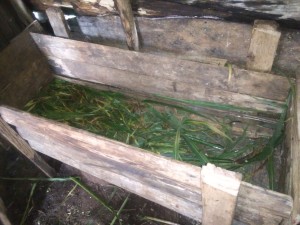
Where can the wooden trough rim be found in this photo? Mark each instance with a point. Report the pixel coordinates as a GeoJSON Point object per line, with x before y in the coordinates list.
{"type": "Point", "coordinates": [173, 184]}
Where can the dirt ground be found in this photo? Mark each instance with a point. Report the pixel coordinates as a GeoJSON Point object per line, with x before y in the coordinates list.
{"type": "Point", "coordinates": [64, 203]}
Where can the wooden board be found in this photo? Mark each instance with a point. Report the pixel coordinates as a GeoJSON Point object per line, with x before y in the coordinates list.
{"type": "Point", "coordinates": [263, 46]}
{"type": "Point", "coordinates": [165, 76]}
{"type": "Point", "coordinates": [170, 183]}
{"type": "Point", "coordinates": [57, 21]}
{"type": "Point", "coordinates": [292, 185]}
{"type": "Point", "coordinates": [24, 70]}
{"type": "Point", "coordinates": [244, 9]}
{"type": "Point", "coordinates": [193, 37]}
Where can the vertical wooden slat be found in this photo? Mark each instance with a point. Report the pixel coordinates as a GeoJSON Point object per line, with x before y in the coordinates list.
{"type": "Point", "coordinates": [126, 14]}
{"type": "Point", "coordinates": [3, 217]}
{"type": "Point", "coordinates": [58, 22]}
{"type": "Point", "coordinates": [263, 46]}
{"type": "Point", "coordinates": [220, 189]}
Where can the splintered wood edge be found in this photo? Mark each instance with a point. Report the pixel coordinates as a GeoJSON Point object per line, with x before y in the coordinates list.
{"type": "Point", "coordinates": [221, 179]}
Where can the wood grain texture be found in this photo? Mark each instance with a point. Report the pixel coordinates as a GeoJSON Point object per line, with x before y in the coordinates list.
{"type": "Point", "coordinates": [263, 46]}
{"type": "Point", "coordinates": [293, 149]}
{"type": "Point", "coordinates": [252, 9]}
{"type": "Point", "coordinates": [129, 26]}
{"type": "Point", "coordinates": [24, 148]}
{"type": "Point", "coordinates": [58, 23]}
{"type": "Point", "coordinates": [177, 78]}
{"type": "Point", "coordinates": [219, 189]}
{"type": "Point", "coordinates": [170, 183]}
{"type": "Point", "coordinates": [24, 70]}
{"type": "Point", "coordinates": [193, 37]}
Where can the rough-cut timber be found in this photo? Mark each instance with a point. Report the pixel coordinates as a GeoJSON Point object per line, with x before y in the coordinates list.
{"type": "Point", "coordinates": [125, 12]}
{"type": "Point", "coordinates": [293, 158]}
{"type": "Point", "coordinates": [24, 148]}
{"type": "Point", "coordinates": [164, 76]}
{"type": "Point", "coordinates": [24, 70]}
{"type": "Point", "coordinates": [58, 22]}
{"type": "Point", "coordinates": [219, 189]}
{"type": "Point", "coordinates": [263, 46]}
{"type": "Point", "coordinates": [170, 183]}
{"type": "Point", "coordinates": [251, 9]}
{"type": "Point", "coordinates": [193, 37]}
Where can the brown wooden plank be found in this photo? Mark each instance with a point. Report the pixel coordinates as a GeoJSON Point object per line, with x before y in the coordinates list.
{"type": "Point", "coordinates": [23, 147]}
{"type": "Point", "coordinates": [129, 26]}
{"type": "Point", "coordinates": [219, 189]}
{"type": "Point", "coordinates": [24, 70]}
{"type": "Point", "coordinates": [177, 78]}
{"type": "Point", "coordinates": [58, 23]}
{"type": "Point", "coordinates": [172, 184]}
{"type": "Point", "coordinates": [193, 37]}
{"type": "Point", "coordinates": [263, 46]}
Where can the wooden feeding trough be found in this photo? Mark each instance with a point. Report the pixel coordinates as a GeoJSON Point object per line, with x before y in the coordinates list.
{"type": "Point", "coordinates": [209, 194]}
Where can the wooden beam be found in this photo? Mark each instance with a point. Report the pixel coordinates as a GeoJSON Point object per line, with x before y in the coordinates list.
{"type": "Point", "coordinates": [129, 26]}
{"type": "Point", "coordinates": [58, 23]}
{"type": "Point", "coordinates": [244, 9]}
{"type": "Point", "coordinates": [293, 148]}
{"type": "Point", "coordinates": [220, 189]}
{"type": "Point", "coordinates": [24, 148]}
{"type": "Point", "coordinates": [177, 78]}
{"type": "Point", "coordinates": [263, 46]}
{"type": "Point", "coordinates": [173, 184]}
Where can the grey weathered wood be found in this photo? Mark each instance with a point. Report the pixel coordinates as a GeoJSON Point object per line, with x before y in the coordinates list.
{"type": "Point", "coordinates": [177, 78]}
{"type": "Point", "coordinates": [58, 22]}
{"type": "Point", "coordinates": [23, 147]}
{"type": "Point", "coordinates": [170, 183]}
{"type": "Point", "coordinates": [24, 70]}
{"type": "Point", "coordinates": [293, 149]}
{"type": "Point", "coordinates": [193, 37]}
{"type": "Point", "coordinates": [252, 9]}
{"type": "Point", "coordinates": [129, 26]}
{"type": "Point", "coordinates": [263, 46]}
{"type": "Point", "coordinates": [219, 189]}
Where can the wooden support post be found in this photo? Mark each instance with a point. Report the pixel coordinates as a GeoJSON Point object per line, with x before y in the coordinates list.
{"type": "Point", "coordinates": [126, 14]}
{"type": "Point", "coordinates": [263, 46]}
{"type": "Point", "coordinates": [3, 217]}
{"type": "Point", "coordinates": [58, 22]}
{"type": "Point", "coordinates": [23, 147]}
{"type": "Point", "coordinates": [220, 190]}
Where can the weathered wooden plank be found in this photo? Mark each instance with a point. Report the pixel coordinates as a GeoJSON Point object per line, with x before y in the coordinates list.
{"type": "Point", "coordinates": [252, 9]}
{"type": "Point", "coordinates": [58, 22]}
{"type": "Point", "coordinates": [263, 46]}
{"type": "Point", "coordinates": [24, 70]}
{"type": "Point", "coordinates": [170, 183]}
{"type": "Point", "coordinates": [177, 78]}
{"type": "Point", "coordinates": [293, 157]}
{"type": "Point", "coordinates": [23, 147]}
{"type": "Point", "coordinates": [129, 26]}
{"type": "Point", "coordinates": [193, 37]}
{"type": "Point", "coordinates": [219, 189]}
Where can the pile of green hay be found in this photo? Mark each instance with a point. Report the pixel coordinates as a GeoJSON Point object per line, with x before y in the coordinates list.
{"type": "Point", "coordinates": [164, 129]}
